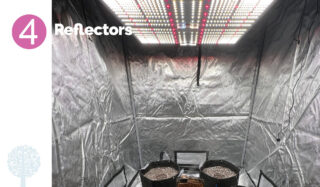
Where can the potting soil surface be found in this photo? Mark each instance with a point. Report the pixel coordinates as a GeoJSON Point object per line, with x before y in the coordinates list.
{"type": "Point", "coordinates": [161, 173]}
{"type": "Point", "coordinates": [219, 172]}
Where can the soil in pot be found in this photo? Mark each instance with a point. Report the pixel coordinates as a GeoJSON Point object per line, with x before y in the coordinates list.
{"type": "Point", "coordinates": [219, 172]}
{"type": "Point", "coordinates": [161, 173]}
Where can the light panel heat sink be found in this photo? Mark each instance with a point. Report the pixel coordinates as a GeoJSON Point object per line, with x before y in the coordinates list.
{"type": "Point", "coordinates": [188, 22]}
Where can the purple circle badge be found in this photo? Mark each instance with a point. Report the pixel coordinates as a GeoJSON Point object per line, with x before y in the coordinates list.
{"type": "Point", "coordinates": [29, 31]}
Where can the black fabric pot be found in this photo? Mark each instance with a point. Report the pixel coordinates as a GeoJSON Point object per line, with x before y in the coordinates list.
{"type": "Point", "coordinates": [213, 182]}
{"type": "Point", "coordinates": [171, 182]}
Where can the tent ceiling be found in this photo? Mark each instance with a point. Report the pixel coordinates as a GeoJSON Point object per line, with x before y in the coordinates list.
{"type": "Point", "coordinates": [188, 22]}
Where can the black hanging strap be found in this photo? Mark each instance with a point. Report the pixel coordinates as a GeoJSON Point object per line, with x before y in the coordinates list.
{"type": "Point", "coordinates": [267, 178]}
{"type": "Point", "coordinates": [199, 66]}
{"type": "Point", "coordinates": [122, 170]}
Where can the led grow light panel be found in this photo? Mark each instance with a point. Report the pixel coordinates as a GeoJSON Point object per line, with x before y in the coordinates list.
{"type": "Point", "coordinates": [188, 22]}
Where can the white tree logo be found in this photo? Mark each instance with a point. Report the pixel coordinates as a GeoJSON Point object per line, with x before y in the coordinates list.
{"type": "Point", "coordinates": [23, 162]}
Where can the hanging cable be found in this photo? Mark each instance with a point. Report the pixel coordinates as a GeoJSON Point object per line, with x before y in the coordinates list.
{"type": "Point", "coordinates": [199, 66]}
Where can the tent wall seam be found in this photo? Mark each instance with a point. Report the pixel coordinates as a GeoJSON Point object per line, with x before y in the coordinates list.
{"type": "Point", "coordinates": [253, 95]}
{"type": "Point", "coordinates": [294, 86]}
{"type": "Point", "coordinates": [58, 153]}
{"type": "Point", "coordinates": [129, 81]}
{"type": "Point", "coordinates": [301, 178]}
{"type": "Point", "coordinates": [237, 116]}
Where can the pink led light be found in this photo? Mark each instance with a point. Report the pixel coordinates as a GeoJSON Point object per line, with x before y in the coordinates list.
{"type": "Point", "coordinates": [227, 24]}
{"type": "Point", "coordinates": [172, 21]}
{"type": "Point", "coordinates": [204, 21]}
{"type": "Point", "coordinates": [149, 24]}
{"type": "Point", "coordinates": [131, 19]}
{"type": "Point", "coordinates": [244, 20]}
{"type": "Point", "coordinates": [213, 22]}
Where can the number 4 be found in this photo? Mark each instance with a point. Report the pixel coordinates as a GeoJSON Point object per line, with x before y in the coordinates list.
{"type": "Point", "coordinates": [32, 36]}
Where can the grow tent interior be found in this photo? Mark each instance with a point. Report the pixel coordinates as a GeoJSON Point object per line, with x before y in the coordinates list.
{"type": "Point", "coordinates": [117, 103]}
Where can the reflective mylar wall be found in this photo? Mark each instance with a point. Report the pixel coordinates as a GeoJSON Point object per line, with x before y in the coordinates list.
{"type": "Point", "coordinates": [287, 102]}
{"type": "Point", "coordinates": [93, 130]}
{"type": "Point", "coordinates": [105, 113]}
{"type": "Point", "coordinates": [175, 114]}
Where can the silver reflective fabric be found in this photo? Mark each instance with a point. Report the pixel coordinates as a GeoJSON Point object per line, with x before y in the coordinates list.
{"type": "Point", "coordinates": [287, 102]}
{"type": "Point", "coordinates": [93, 131]}
{"type": "Point", "coordinates": [175, 114]}
{"type": "Point", "coordinates": [257, 106]}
